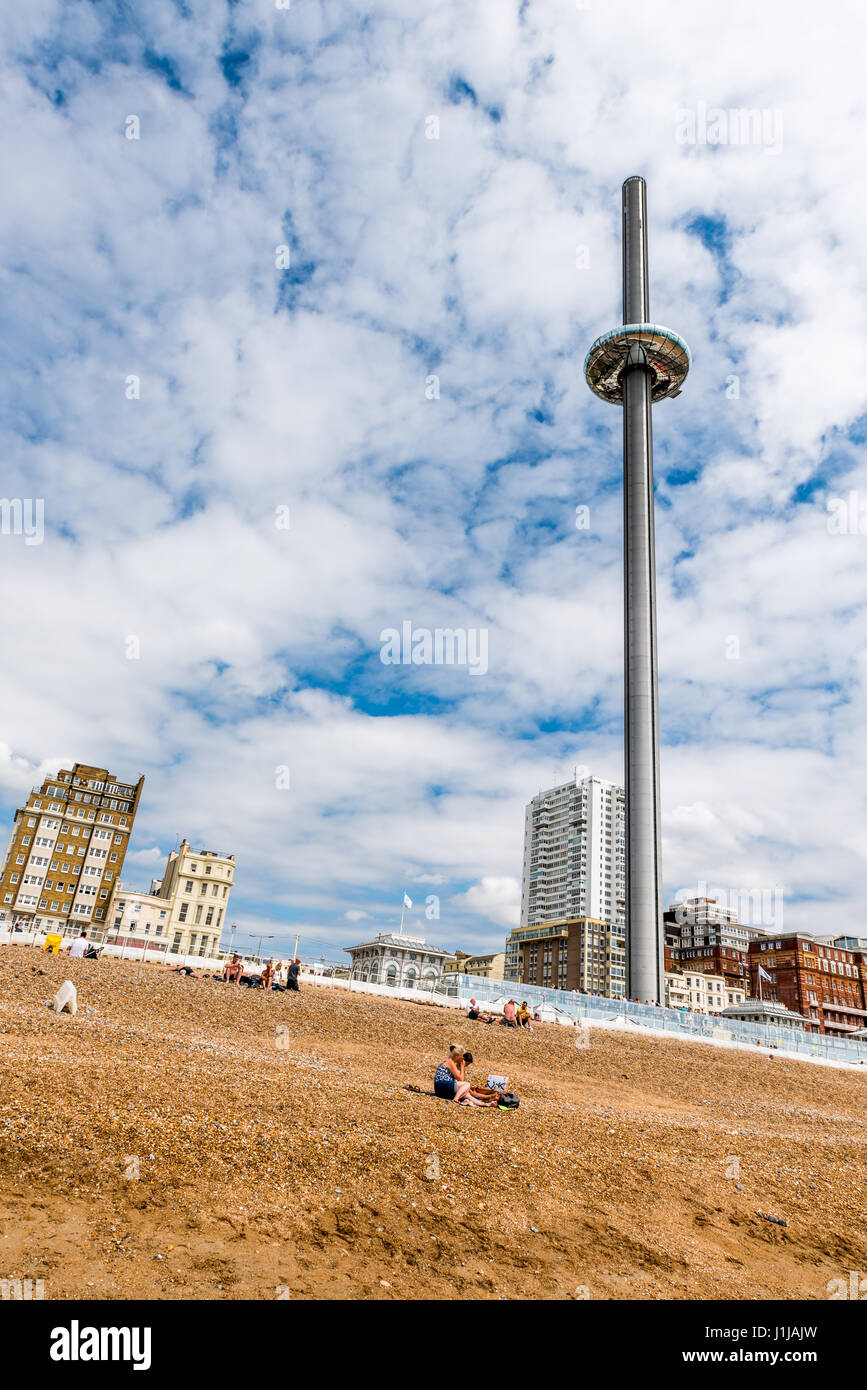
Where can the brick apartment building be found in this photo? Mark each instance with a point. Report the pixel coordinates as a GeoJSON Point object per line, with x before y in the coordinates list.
{"type": "Point", "coordinates": [820, 979]}
{"type": "Point", "coordinates": [728, 961]}
{"type": "Point", "coordinates": [583, 953]}
{"type": "Point", "coordinates": [67, 849]}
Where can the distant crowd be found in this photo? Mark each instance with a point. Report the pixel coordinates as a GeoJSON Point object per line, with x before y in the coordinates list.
{"type": "Point", "coordinates": [513, 1017]}
{"type": "Point", "coordinates": [271, 977]}
{"type": "Point", "coordinates": [281, 976]}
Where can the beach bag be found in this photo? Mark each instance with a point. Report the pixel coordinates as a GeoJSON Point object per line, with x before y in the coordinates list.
{"type": "Point", "coordinates": [508, 1101]}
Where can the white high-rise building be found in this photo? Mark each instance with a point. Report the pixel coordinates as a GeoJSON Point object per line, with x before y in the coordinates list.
{"type": "Point", "coordinates": [575, 854]}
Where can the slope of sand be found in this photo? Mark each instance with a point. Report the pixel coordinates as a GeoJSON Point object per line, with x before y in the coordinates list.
{"type": "Point", "coordinates": [633, 1169]}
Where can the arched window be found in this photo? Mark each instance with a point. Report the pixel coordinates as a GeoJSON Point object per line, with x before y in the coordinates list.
{"type": "Point", "coordinates": [391, 975]}
{"type": "Point", "coordinates": [410, 977]}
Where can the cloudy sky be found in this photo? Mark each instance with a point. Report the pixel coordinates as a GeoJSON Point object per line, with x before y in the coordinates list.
{"type": "Point", "coordinates": [296, 304]}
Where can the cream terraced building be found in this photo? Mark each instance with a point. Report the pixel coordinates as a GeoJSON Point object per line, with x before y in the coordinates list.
{"type": "Point", "coordinates": [489, 967]}
{"type": "Point", "coordinates": [187, 911]}
{"type": "Point", "coordinates": [702, 994]}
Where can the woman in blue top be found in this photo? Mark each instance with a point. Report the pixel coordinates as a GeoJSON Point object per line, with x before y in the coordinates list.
{"type": "Point", "coordinates": [450, 1081]}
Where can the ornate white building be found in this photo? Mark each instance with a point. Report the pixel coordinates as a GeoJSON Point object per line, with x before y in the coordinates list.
{"type": "Point", "coordinates": [404, 962]}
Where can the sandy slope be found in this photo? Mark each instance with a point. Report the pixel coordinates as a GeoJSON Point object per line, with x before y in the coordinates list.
{"type": "Point", "coordinates": [618, 1156]}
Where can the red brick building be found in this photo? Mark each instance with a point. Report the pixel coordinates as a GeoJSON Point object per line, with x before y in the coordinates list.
{"type": "Point", "coordinates": [824, 982]}
{"type": "Point", "coordinates": [728, 961]}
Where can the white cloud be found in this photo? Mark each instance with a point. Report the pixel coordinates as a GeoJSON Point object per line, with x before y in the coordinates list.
{"type": "Point", "coordinates": [498, 899]}
{"type": "Point", "coordinates": [410, 257]}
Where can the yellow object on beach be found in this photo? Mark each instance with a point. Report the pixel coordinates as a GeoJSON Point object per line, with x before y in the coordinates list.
{"type": "Point", "coordinates": [52, 944]}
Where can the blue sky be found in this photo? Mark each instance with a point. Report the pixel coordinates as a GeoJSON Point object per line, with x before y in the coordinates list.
{"type": "Point", "coordinates": [487, 258]}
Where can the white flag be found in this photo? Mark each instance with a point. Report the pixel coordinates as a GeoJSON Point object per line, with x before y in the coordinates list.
{"type": "Point", "coordinates": [407, 902]}
{"type": "Point", "coordinates": [764, 974]}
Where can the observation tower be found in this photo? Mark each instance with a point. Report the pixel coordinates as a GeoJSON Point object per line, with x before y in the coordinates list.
{"type": "Point", "coordinates": [635, 366]}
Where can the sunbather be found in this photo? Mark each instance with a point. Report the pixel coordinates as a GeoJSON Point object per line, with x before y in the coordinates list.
{"type": "Point", "coordinates": [233, 970]}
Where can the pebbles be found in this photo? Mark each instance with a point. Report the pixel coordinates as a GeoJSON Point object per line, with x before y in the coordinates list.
{"type": "Point", "coordinates": [173, 1102]}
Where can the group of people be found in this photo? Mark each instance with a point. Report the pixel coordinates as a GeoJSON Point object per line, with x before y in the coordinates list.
{"type": "Point", "coordinates": [450, 1080]}
{"type": "Point", "coordinates": [513, 1017]}
{"type": "Point", "coordinates": [270, 977]}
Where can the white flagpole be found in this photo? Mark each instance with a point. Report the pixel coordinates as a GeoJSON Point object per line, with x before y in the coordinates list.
{"type": "Point", "coordinates": [402, 910]}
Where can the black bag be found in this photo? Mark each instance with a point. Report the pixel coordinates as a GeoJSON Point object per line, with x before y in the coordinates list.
{"type": "Point", "coordinates": [508, 1101]}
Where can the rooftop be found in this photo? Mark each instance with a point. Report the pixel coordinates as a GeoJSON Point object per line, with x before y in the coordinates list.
{"type": "Point", "coordinates": [765, 1008]}
{"type": "Point", "coordinates": [407, 942]}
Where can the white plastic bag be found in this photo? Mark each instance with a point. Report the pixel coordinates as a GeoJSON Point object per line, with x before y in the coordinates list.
{"type": "Point", "coordinates": [66, 999]}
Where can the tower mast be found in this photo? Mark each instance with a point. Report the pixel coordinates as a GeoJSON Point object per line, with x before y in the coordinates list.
{"type": "Point", "coordinates": [635, 366]}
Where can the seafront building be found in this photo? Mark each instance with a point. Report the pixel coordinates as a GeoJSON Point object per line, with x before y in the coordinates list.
{"type": "Point", "coordinates": [580, 953]}
{"type": "Point", "coordinates": [67, 849]}
{"type": "Point", "coordinates": [488, 967]}
{"type": "Point", "coordinates": [700, 992]}
{"type": "Point", "coordinates": [404, 962]}
{"type": "Point", "coordinates": [768, 1012]}
{"type": "Point", "coordinates": [186, 910]}
{"type": "Point", "coordinates": [820, 980]}
{"type": "Point", "coordinates": [696, 922]}
{"type": "Point", "coordinates": [575, 855]}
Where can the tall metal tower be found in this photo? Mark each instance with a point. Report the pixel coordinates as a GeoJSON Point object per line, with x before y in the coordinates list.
{"type": "Point", "coordinates": [635, 366]}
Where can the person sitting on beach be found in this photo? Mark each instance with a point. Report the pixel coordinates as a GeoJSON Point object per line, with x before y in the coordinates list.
{"type": "Point", "coordinates": [476, 1014]}
{"type": "Point", "coordinates": [509, 1014]}
{"type": "Point", "coordinates": [450, 1082]}
{"type": "Point", "coordinates": [523, 1016]}
{"type": "Point", "coordinates": [78, 949]}
{"type": "Point", "coordinates": [233, 970]}
{"type": "Point", "coordinates": [294, 972]}
{"type": "Point", "coordinates": [479, 1093]}
{"type": "Point", "coordinates": [268, 975]}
